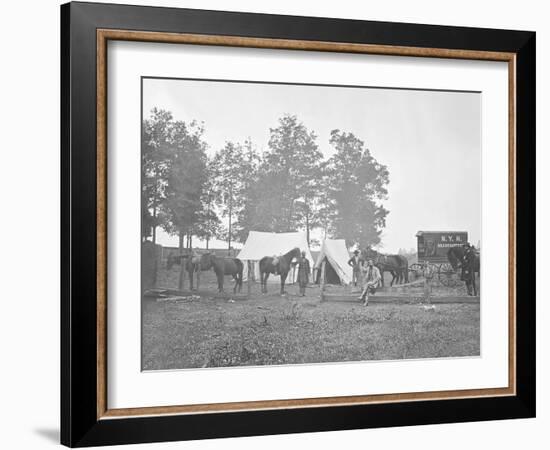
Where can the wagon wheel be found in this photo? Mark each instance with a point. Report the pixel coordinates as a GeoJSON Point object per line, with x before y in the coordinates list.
{"type": "Point", "coordinates": [447, 275]}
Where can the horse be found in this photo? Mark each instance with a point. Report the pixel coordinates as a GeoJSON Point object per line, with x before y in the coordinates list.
{"type": "Point", "coordinates": [192, 266]}
{"type": "Point", "coordinates": [396, 265]}
{"type": "Point", "coordinates": [190, 263]}
{"type": "Point", "coordinates": [174, 260]}
{"type": "Point", "coordinates": [278, 266]}
{"type": "Point", "coordinates": [469, 265]}
{"type": "Point", "coordinates": [224, 266]}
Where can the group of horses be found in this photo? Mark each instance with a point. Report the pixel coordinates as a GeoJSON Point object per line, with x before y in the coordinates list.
{"type": "Point", "coordinates": [278, 265]}
{"type": "Point", "coordinates": [396, 265]}
{"type": "Point", "coordinates": [467, 262]}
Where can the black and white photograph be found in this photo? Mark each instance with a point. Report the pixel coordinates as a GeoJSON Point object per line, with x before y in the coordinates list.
{"type": "Point", "coordinates": [280, 224]}
{"type": "Point", "coordinates": [298, 224]}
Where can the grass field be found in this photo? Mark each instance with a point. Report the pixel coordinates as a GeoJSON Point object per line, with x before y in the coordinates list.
{"type": "Point", "coordinates": [270, 329]}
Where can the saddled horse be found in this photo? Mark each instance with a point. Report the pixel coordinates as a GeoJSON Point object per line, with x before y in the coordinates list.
{"type": "Point", "coordinates": [278, 266]}
{"type": "Point", "coordinates": [396, 265]}
{"type": "Point", "coordinates": [224, 266]}
{"type": "Point", "coordinates": [192, 266]}
{"type": "Point", "coordinates": [469, 265]}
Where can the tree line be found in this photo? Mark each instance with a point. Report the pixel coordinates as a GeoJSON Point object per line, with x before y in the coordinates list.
{"type": "Point", "coordinates": [288, 187]}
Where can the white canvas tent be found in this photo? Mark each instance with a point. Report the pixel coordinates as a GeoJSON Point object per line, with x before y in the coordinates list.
{"type": "Point", "coordinates": [260, 244]}
{"type": "Point", "coordinates": [337, 255]}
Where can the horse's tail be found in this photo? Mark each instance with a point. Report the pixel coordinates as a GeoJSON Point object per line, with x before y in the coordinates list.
{"type": "Point", "coordinates": [262, 264]}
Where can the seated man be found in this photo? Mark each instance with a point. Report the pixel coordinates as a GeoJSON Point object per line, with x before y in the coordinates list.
{"type": "Point", "coordinates": [371, 280]}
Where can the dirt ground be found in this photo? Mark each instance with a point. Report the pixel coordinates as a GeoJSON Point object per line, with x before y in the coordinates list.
{"type": "Point", "coordinates": [202, 331]}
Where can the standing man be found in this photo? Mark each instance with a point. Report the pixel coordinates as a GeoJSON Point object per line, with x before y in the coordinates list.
{"type": "Point", "coordinates": [355, 263]}
{"type": "Point", "coordinates": [428, 274]}
{"type": "Point", "coordinates": [468, 274]}
{"type": "Point", "coordinates": [371, 277]}
{"type": "Point", "coordinates": [303, 273]}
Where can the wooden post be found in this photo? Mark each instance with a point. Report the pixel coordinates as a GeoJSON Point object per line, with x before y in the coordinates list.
{"type": "Point", "coordinates": [249, 278]}
{"type": "Point", "coordinates": [323, 278]}
{"type": "Point", "coordinates": [182, 274]}
{"type": "Point", "coordinates": [198, 277]}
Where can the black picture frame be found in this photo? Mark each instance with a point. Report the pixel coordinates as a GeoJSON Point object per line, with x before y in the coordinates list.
{"type": "Point", "coordinates": [80, 425]}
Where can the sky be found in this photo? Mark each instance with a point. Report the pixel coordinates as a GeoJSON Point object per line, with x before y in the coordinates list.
{"type": "Point", "coordinates": [429, 140]}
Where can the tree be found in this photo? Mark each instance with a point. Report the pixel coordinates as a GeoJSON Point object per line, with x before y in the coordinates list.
{"type": "Point", "coordinates": [208, 223]}
{"type": "Point", "coordinates": [357, 185]}
{"type": "Point", "coordinates": [288, 177]}
{"type": "Point", "coordinates": [247, 199]}
{"type": "Point", "coordinates": [155, 163]}
{"type": "Point", "coordinates": [326, 207]}
{"type": "Point", "coordinates": [226, 169]}
{"type": "Point", "coordinates": [186, 179]}
{"type": "Point", "coordinates": [235, 167]}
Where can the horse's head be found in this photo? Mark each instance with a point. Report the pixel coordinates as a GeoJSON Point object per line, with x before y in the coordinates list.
{"type": "Point", "coordinates": [454, 255]}
{"type": "Point", "coordinates": [294, 253]}
{"type": "Point", "coordinates": [369, 253]}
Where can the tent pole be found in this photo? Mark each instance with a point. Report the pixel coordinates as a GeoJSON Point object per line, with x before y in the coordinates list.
{"type": "Point", "coordinates": [249, 278]}
{"type": "Point", "coordinates": [323, 276]}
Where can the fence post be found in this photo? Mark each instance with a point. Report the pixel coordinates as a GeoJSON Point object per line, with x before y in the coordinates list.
{"type": "Point", "coordinates": [198, 276]}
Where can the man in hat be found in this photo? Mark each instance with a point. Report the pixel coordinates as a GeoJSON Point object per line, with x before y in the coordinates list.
{"type": "Point", "coordinates": [468, 274]}
{"type": "Point", "coordinates": [303, 273]}
{"type": "Point", "coordinates": [371, 279]}
{"type": "Point", "coordinates": [355, 263]}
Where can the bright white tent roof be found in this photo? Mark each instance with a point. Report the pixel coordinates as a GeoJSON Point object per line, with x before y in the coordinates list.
{"type": "Point", "coordinates": [261, 243]}
{"type": "Point", "coordinates": [337, 254]}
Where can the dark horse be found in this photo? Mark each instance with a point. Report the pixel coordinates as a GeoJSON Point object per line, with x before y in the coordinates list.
{"type": "Point", "coordinates": [224, 266]}
{"type": "Point", "coordinates": [469, 265]}
{"type": "Point", "coordinates": [397, 265]}
{"type": "Point", "coordinates": [192, 266]}
{"type": "Point", "coordinates": [277, 265]}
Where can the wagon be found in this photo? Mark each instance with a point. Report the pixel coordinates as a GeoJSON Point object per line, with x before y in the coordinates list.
{"type": "Point", "coordinates": [432, 247]}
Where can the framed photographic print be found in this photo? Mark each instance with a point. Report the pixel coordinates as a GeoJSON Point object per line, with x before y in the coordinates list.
{"type": "Point", "coordinates": [276, 224]}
